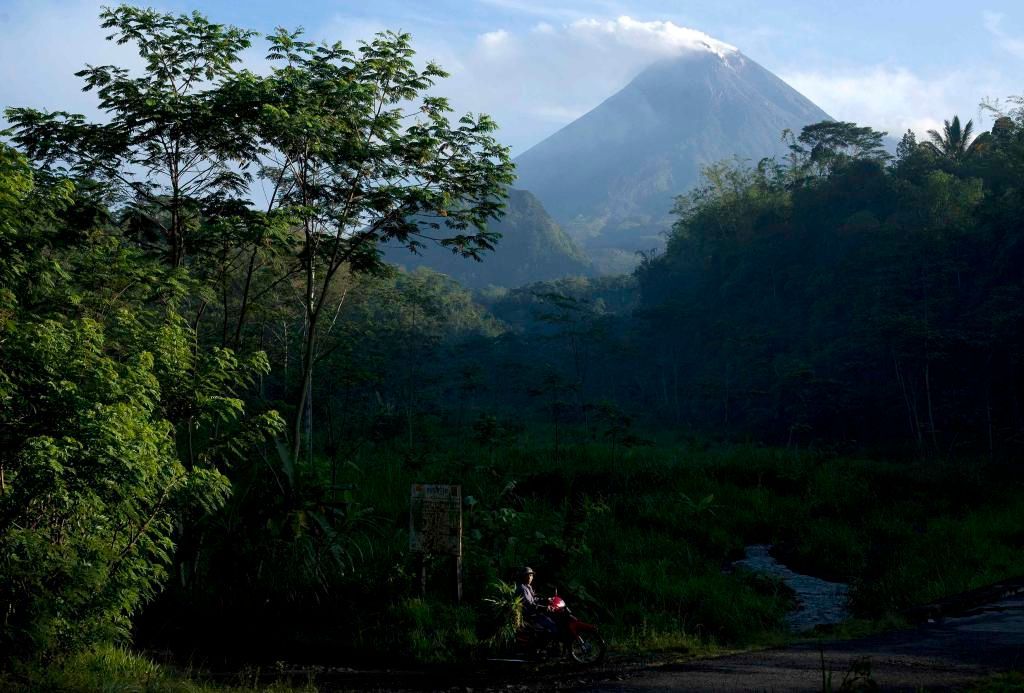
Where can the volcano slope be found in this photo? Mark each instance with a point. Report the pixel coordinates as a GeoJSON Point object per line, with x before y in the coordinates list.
{"type": "Point", "coordinates": [610, 177]}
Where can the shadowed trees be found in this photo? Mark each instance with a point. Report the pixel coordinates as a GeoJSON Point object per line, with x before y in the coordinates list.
{"type": "Point", "coordinates": [847, 302]}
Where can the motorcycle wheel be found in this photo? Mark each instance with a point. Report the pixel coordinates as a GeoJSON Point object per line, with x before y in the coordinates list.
{"type": "Point", "coordinates": [588, 648]}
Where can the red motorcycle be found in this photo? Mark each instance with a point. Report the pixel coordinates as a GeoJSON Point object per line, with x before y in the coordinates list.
{"type": "Point", "coordinates": [580, 641]}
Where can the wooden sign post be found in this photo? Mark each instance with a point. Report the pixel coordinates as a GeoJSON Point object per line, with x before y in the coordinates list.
{"type": "Point", "coordinates": [435, 527]}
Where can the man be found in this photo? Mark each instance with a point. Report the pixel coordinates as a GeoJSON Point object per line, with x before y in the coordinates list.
{"type": "Point", "coordinates": [534, 608]}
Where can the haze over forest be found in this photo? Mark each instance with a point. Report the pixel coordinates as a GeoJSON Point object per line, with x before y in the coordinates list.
{"type": "Point", "coordinates": [671, 314]}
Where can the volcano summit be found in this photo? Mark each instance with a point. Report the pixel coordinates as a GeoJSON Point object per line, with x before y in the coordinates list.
{"type": "Point", "coordinates": [609, 177]}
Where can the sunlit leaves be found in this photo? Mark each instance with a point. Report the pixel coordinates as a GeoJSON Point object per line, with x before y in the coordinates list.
{"type": "Point", "coordinates": [99, 377]}
{"type": "Point", "coordinates": [92, 484]}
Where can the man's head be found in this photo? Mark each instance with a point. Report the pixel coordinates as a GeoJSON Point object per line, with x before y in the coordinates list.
{"type": "Point", "coordinates": [526, 575]}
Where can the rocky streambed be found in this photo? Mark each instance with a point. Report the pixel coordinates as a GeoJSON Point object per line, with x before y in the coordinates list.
{"type": "Point", "coordinates": [819, 602]}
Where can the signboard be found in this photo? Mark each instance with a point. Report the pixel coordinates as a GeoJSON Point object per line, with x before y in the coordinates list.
{"type": "Point", "coordinates": [435, 519]}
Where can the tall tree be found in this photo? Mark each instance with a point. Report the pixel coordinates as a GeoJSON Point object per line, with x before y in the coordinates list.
{"type": "Point", "coordinates": [348, 147]}
{"type": "Point", "coordinates": [822, 147]}
{"type": "Point", "coordinates": [358, 154]}
{"type": "Point", "coordinates": [171, 146]}
{"type": "Point", "coordinates": [907, 146]}
{"type": "Point", "coordinates": [954, 143]}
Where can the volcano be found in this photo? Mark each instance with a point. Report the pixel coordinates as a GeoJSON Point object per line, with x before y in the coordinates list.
{"type": "Point", "coordinates": [610, 177]}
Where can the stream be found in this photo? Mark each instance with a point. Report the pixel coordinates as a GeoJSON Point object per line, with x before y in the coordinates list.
{"type": "Point", "coordinates": [819, 602]}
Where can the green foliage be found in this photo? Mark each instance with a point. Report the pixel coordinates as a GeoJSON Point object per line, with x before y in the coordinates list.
{"type": "Point", "coordinates": [506, 613]}
{"type": "Point", "coordinates": [835, 299]}
{"type": "Point", "coordinates": [331, 110]}
{"type": "Point", "coordinates": [92, 484]}
{"type": "Point", "coordinates": [945, 556]}
{"type": "Point", "coordinates": [109, 668]}
{"type": "Point", "coordinates": [92, 487]}
{"type": "Point", "coordinates": [306, 537]}
{"type": "Point", "coordinates": [955, 142]}
{"type": "Point", "coordinates": [433, 632]}
{"type": "Point", "coordinates": [27, 212]}
{"type": "Point", "coordinates": [171, 137]}
{"type": "Point", "coordinates": [824, 147]}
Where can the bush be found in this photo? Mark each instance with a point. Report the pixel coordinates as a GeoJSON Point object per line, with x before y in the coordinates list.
{"type": "Point", "coordinates": [432, 632]}
{"type": "Point", "coordinates": [109, 668]}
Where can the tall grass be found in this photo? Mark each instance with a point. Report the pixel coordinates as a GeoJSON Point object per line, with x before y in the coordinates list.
{"type": "Point", "coordinates": [641, 539]}
{"type": "Point", "coordinates": [110, 669]}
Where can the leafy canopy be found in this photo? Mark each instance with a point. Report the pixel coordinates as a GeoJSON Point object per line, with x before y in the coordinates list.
{"type": "Point", "coordinates": [823, 147]}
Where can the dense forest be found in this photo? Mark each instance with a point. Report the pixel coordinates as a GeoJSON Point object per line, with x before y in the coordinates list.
{"type": "Point", "coordinates": [215, 389]}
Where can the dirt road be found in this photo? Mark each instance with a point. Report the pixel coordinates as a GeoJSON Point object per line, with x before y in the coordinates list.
{"type": "Point", "coordinates": [943, 655]}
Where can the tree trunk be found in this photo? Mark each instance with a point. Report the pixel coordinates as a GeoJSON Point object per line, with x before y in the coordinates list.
{"type": "Point", "coordinates": [915, 427]}
{"type": "Point", "coordinates": [307, 383]}
{"type": "Point", "coordinates": [224, 293]}
{"type": "Point", "coordinates": [675, 390]}
{"type": "Point", "coordinates": [988, 407]}
{"type": "Point", "coordinates": [931, 414]}
{"type": "Point", "coordinates": [244, 307]}
{"type": "Point", "coordinates": [300, 409]}
{"type": "Point", "coordinates": [309, 347]}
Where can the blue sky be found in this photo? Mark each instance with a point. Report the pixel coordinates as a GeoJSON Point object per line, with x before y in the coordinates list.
{"type": "Point", "coordinates": [535, 66]}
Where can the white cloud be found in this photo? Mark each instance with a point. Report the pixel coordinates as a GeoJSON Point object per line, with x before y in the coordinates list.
{"type": "Point", "coordinates": [655, 37]}
{"type": "Point", "coordinates": [494, 39]}
{"type": "Point", "coordinates": [537, 79]}
{"type": "Point", "coordinates": [994, 25]}
{"type": "Point", "coordinates": [896, 98]}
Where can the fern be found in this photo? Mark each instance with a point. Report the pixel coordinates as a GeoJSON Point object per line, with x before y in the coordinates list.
{"type": "Point", "coordinates": [507, 612]}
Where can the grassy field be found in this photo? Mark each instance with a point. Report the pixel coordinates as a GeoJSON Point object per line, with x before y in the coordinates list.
{"type": "Point", "coordinates": [640, 539]}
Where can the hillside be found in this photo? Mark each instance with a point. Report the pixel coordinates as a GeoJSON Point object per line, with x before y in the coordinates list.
{"type": "Point", "coordinates": [532, 248]}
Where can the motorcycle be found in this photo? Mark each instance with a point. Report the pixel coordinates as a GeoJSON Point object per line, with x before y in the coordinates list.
{"type": "Point", "coordinates": [573, 638]}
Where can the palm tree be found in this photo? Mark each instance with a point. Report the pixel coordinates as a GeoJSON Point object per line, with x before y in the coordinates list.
{"type": "Point", "coordinates": [954, 143]}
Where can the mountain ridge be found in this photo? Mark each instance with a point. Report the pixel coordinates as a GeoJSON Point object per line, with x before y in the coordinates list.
{"type": "Point", "coordinates": [533, 248]}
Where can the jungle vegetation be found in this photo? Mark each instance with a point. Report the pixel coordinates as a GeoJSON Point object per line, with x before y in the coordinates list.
{"type": "Point", "coordinates": [215, 393]}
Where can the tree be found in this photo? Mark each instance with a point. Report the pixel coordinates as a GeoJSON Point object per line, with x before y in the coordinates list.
{"type": "Point", "coordinates": [99, 382]}
{"type": "Point", "coordinates": [907, 146]}
{"type": "Point", "coordinates": [914, 161]}
{"type": "Point", "coordinates": [822, 147]}
{"type": "Point", "coordinates": [171, 147]}
{"type": "Point", "coordinates": [355, 165]}
{"type": "Point", "coordinates": [348, 147]}
{"type": "Point", "coordinates": [954, 143]}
